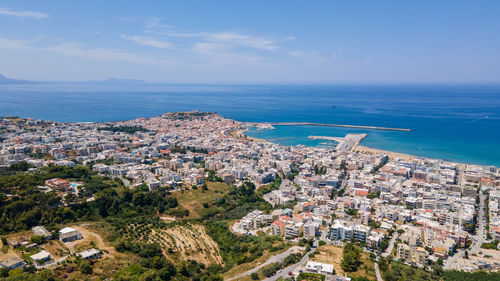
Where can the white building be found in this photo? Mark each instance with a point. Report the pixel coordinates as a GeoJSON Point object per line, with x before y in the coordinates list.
{"type": "Point", "coordinates": [90, 254]}
{"type": "Point", "coordinates": [318, 267]}
{"type": "Point", "coordinates": [69, 234]}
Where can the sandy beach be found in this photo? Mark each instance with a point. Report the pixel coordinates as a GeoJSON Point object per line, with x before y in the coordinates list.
{"type": "Point", "coordinates": [359, 148]}
{"type": "Point", "coordinates": [392, 155]}
{"type": "Point", "coordinates": [241, 134]}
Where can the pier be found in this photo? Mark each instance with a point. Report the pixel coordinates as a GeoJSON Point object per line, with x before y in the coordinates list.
{"type": "Point", "coordinates": [332, 125]}
{"type": "Point", "coordinates": [347, 143]}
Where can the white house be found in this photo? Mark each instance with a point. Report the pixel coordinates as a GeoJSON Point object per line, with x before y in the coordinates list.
{"type": "Point", "coordinates": [69, 234]}
{"type": "Point", "coordinates": [90, 254]}
{"type": "Point", "coordinates": [318, 267]}
{"type": "Point", "coordinates": [41, 257]}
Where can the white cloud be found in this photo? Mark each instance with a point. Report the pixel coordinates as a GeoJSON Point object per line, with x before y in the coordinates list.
{"type": "Point", "coordinates": [147, 41]}
{"type": "Point", "coordinates": [182, 34]}
{"type": "Point", "coordinates": [14, 44]}
{"type": "Point", "coordinates": [77, 50]}
{"type": "Point", "coordinates": [242, 40]}
{"type": "Point", "coordinates": [210, 48]}
{"type": "Point", "coordinates": [103, 54]}
{"type": "Point", "coordinates": [154, 26]}
{"type": "Point", "coordinates": [22, 14]}
{"type": "Point", "coordinates": [232, 39]}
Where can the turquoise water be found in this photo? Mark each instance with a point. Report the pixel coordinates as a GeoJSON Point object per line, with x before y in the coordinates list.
{"type": "Point", "coordinates": [452, 122]}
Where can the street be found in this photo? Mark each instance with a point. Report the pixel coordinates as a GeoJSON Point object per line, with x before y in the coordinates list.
{"type": "Point", "coordinates": [291, 268]}
{"type": "Point", "coordinates": [477, 240]}
{"type": "Point", "coordinates": [389, 248]}
{"type": "Point", "coordinates": [275, 258]}
{"type": "Point", "coordinates": [377, 272]}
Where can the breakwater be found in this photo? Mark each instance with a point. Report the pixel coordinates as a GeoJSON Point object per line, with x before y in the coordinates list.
{"type": "Point", "coordinates": [333, 125]}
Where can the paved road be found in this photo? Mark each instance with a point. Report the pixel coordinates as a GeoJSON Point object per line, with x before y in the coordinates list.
{"type": "Point", "coordinates": [478, 239]}
{"type": "Point", "coordinates": [377, 272]}
{"type": "Point", "coordinates": [126, 182]}
{"type": "Point", "coordinates": [290, 268]}
{"type": "Point", "coordinates": [275, 258]}
{"type": "Point", "coordinates": [391, 244]}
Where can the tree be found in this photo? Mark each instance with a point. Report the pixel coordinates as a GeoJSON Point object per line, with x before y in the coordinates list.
{"type": "Point", "coordinates": [255, 276]}
{"type": "Point", "coordinates": [37, 239]}
{"type": "Point", "coordinates": [350, 262]}
{"type": "Point", "coordinates": [351, 259]}
{"type": "Point", "coordinates": [271, 269]}
{"type": "Point", "coordinates": [85, 267]}
{"type": "Point", "coordinates": [4, 272]}
{"type": "Point", "coordinates": [383, 265]}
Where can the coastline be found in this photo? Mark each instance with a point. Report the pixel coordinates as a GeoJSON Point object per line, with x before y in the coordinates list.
{"type": "Point", "coordinates": [359, 148]}
{"type": "Point", "coordinates": [362, 149]}
{"type": "Point", "coordinates": [241, 134]}
{"type": "Point", "coordinates": [391, 154]}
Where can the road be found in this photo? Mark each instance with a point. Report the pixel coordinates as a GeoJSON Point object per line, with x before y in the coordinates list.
{"type": "Point", "coordinates": [377, 272]}
{"type": "Point", "coordinates": [477, 240]}
{"type": "Point", "coordinates": [275, 258]}
{"type": "Point", "coordinates": [391, 245]}
{"type": "Point", "coordinates": [290, 268]}
{"type": "Point", "coordinates": [126, 182]}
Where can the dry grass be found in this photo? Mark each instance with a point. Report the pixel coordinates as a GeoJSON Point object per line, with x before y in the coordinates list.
{"type": "Point", "coordinates": [103, 269]}
{"type": "Point", "coordinates": [94, 235]}
{"type": "Point", "coordinates": [333, 255]}
{"type": "Point", "coordinates": [193, 199]}
{"type": "Point", "coordinates": [7, 253]}
{"type": "Point", "coordinates": [56, 248]}
{"type": "Point", "coordinates": [188, 242]}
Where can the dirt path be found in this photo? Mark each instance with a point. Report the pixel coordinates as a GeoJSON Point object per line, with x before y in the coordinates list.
{"type": "Point", "coordinates": [86, 234]}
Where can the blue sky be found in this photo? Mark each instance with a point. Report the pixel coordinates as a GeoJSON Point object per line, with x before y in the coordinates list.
{"type": "Point", "coordinates": [252, 41]}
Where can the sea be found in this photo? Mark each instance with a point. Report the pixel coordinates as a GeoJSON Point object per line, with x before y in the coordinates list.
{"type": "Point", "coordinates": [459, 123]}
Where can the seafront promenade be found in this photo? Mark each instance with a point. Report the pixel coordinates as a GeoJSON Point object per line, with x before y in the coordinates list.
{"type": "Point", "coordinates": [332, 125]}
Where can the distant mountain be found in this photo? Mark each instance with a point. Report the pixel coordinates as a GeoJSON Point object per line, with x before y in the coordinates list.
{"type": "Point", "coordinates": [5, 80]}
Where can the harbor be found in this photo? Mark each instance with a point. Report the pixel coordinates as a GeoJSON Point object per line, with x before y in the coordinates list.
{"type": "Point", "coordinates": [347, 143]}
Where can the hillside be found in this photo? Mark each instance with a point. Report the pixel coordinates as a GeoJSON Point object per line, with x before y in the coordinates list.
{"type": "Point", "coordinates": [5, 80]}
{"type": "Point", "coordinates": [179, 241]}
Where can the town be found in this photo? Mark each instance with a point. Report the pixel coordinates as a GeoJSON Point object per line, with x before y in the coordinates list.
{"type": "Point", "coordinates": [418, 211]}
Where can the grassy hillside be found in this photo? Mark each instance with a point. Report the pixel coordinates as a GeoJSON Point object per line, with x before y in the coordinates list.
{"type": "Point", "coordinates": [200, 202]}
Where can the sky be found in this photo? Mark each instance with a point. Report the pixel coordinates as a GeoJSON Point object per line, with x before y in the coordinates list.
{"type": "Point", "coordinates": [205, 41]}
